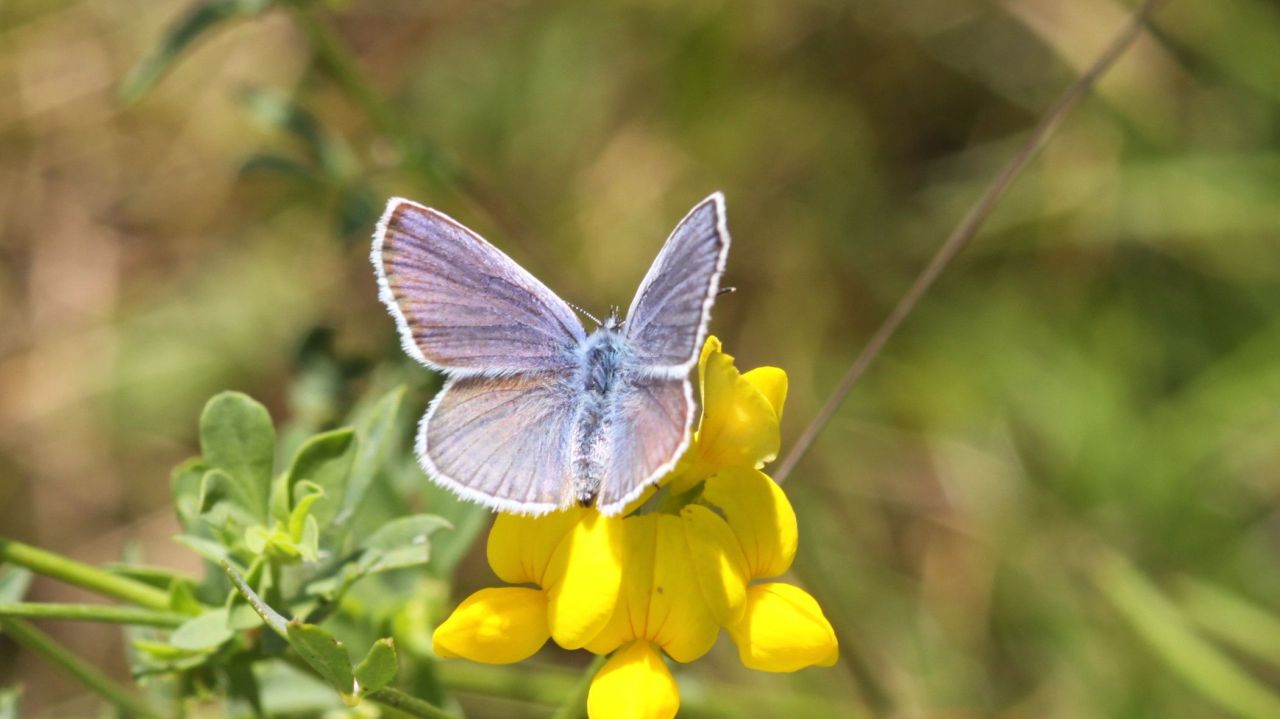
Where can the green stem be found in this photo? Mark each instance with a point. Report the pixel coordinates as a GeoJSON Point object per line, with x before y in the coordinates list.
{"type": "Point", "coordinates": [397, 699]}
{"type": "Point", "coordinates": [341, 65]}
{"type": "Point", "coordinates": [41, 643]}
{"type": "Point", "coordinates": [93, 613]}
{"type": "Point", "coordinates": [82, 575]}
{"type": "Point", "coordinates": [575, 705]}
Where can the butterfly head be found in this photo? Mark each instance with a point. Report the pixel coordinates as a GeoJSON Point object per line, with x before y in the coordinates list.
{"type": "Point", "coordinates": [613, 320]}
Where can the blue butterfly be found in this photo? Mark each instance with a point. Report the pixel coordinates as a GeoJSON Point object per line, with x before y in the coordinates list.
{"type": "Point", "coordinates": [537, 414]}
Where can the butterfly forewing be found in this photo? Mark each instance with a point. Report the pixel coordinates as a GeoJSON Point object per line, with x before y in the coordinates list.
{"type": "Point", "coordinates": [463, 305]}
{"type": "Point", "coordinates": [650, 430]}
{"type": "Point", "coordinates": [502, 441]}
{"type": "Point", "coordinates": [667, 321]}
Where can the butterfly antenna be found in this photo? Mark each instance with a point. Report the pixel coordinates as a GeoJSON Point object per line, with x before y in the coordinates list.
{"type": "Point", "coordinates": [588, 314]}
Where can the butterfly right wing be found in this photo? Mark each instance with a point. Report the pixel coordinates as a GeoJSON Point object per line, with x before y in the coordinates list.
{"type": "Point", "coordinates": [649, 433]}
{"type": "Point", "coordinates": [463, 306]}
{"type": "Point", "coordinates": [667, 321]}
{"type": "Point", "coordinates": [502, 441]}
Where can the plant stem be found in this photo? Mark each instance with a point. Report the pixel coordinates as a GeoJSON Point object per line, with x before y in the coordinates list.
{"type": "Point", "coordinates": [420, 154]}
{"type": "Point", "coordinates": [82, 575]}
{"type": "Point", "coordinates": [397, 699]}
{"type": "Point", "coordinates": [961, 236]}
{"type": "Point", "coordinates": [41, 643]}
{"type": "Point", "coordinates": [575, 705]}
{"type": "Point", "coordinates": [338, 61]}
{"type": "Point", "coordinates": [93, 613]}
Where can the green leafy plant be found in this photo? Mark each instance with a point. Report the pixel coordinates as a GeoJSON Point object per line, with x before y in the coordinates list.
{"type": "Point", "coordinates": [287, 543]}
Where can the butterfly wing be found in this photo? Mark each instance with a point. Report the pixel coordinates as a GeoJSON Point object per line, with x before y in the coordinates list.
{"type": "Point", "coordinates": [461, 304]}
{"type": "Point", "coordinates": [501, 441]}
{"type": "Point", "coordinates": [667, 321]}
{"type": "Point", "coordinates": [650, 431]}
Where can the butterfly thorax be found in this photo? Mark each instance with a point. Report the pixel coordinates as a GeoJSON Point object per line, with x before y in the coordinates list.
{"type": "Point", "coordinates": [602, 369]}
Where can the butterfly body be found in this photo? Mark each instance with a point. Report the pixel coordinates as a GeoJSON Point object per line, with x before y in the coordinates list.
{"type": "Point", "coordinates": [604, 377]}
{"type": "Point", "coordinates": [536, 414]}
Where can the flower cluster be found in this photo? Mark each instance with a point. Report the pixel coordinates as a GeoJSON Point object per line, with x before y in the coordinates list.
{"type": "Point", "coordinates": [664, 579]}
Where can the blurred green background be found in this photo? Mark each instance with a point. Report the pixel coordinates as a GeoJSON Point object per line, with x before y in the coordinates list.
{"type": "Point", "coordinates": [1055, 493]}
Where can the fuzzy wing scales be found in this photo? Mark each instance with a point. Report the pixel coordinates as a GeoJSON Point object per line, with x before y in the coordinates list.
{"type": "Point", "coordinates": [461, 304]}
{"type": "Point", "coordinates": [649, 432]}
{"type": "Point", "coordinates": [502, 442]}
{"type": "Point", "coordinates": [667, 321]}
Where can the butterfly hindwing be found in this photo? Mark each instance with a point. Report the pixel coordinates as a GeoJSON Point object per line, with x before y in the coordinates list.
{"type": "Point", "coordinates": [650, 431]}
{"type": "Point", "coordinates": [461, 304]}
{"type": "Point", "coordinates": [502, 441]}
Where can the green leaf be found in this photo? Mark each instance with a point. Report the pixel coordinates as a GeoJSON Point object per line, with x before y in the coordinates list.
{"type": "Point", "coordinates": [206, 548]}
{"type": "Point", "coordinates": [223, 503]}
{"type": "Point", "coordinates": [10, 703]}
{"type": "Point", "coordinates": [237, 437]}
{"type": "Point", "coordinates": [182, 598]}
{"type": "Point", "coordinates": [378, 667]}
{"type": "Point", "coordinates": [306, 493]}
{"type": "Point", "coordinates": [309, 543]}
{"type": "Point", "coordinates": [1233, 619]}
{"type": "Point", "coordinates": [325, 459]}
{"type": "Point", "coordinates": [184, 483]}
{"type": "Point", "coordinates": [200, 18]}
{"type": "Point", "coordinates": [13, 584]}
{"type": "Point", "coordinates": [242, 684]}
{"type": "Point", "coordinates": [378, 430]}
{"type": "Point", "coordinates": [324, 653]}
{"type": "Point", "coordinates": [468, 520]}
{"type": "Point", "coordinates": [1200, 664]}
{"type": "Point", "coordinates": [278, 111]}
{"type": "Point", "coordinates": [203, 633]}
{"type": "Point", "coordinates": [402, 542]}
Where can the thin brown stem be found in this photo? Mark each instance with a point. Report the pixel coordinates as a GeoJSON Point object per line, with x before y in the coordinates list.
{"type": "Point", "coordinates": [964, 233]}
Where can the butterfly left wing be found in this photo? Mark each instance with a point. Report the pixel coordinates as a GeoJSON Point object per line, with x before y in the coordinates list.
{"type": "Point", "coordinates": [461, 304]}
{"type": "Point", "coordinates": [650, 431]}
{"type": "Point", "coordinates": [667, 321]}
{"type": "Point", "coordinates": [502, 442]}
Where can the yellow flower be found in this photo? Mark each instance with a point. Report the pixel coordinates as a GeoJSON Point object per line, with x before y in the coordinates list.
{"type": "Point", "coordinates": [573, 557]}
{"type": "Point", "coordinates": [665, 580]}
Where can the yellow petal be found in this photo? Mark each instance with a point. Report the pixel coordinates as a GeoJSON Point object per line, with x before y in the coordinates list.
{"type": "Point", "coordinates": [717, 561]}
{"type": "Point", "coordinates": [739, 425]}
{"type": "Point", "coordinates": [772, 383]}
{"type": "Point", "coordinates": [497, 626]}
{"type": "Point", "coordinates": [634, 684]}
{"type": "Point", "coordinates": [630, 616]}
{"type": "Point", "coordinates": [759, 514]}
{"type": "Point", "coordinates": [678, 618]}
{"type": "Point", "coordinates": [782, 630]}
{"type": "Point", "coordinates": [583, 579]}
{"type": "Point", "coordinates": [520, 547]}
{"type": "Point", "coordinates": [661, 599]}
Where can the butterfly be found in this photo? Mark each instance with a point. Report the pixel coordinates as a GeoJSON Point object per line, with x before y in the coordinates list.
{"type": "Point", "coordinates": [535, 414]}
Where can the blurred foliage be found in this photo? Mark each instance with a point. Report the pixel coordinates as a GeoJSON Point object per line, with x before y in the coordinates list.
{"type": "Point", "coordinates": [1053, 495]}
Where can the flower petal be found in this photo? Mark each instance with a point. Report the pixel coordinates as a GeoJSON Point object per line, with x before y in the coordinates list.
{"type": "Point", "coordinates": [739, 426]}
{"type": "Point", "coordinates": [583, 579]}
{"type": "Point", "coordinates": [520, 547]}
{"type": "Point", "coordinates": [499, 625]}
{"type": "Point", "coordinates": [772, 383]}
{"type": "Point", "coordinates": [717, 561]}
{"type": "Point", "coordinates": [758, 512]}
{"type": "Point", "coordinates": [783, 629]}
{"type": "Point", "coordinates": [634, 684]}
{"type": "Point", "coordinates": [661, 600]}
{"type": "Point", "coordinates": [678, 619]}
